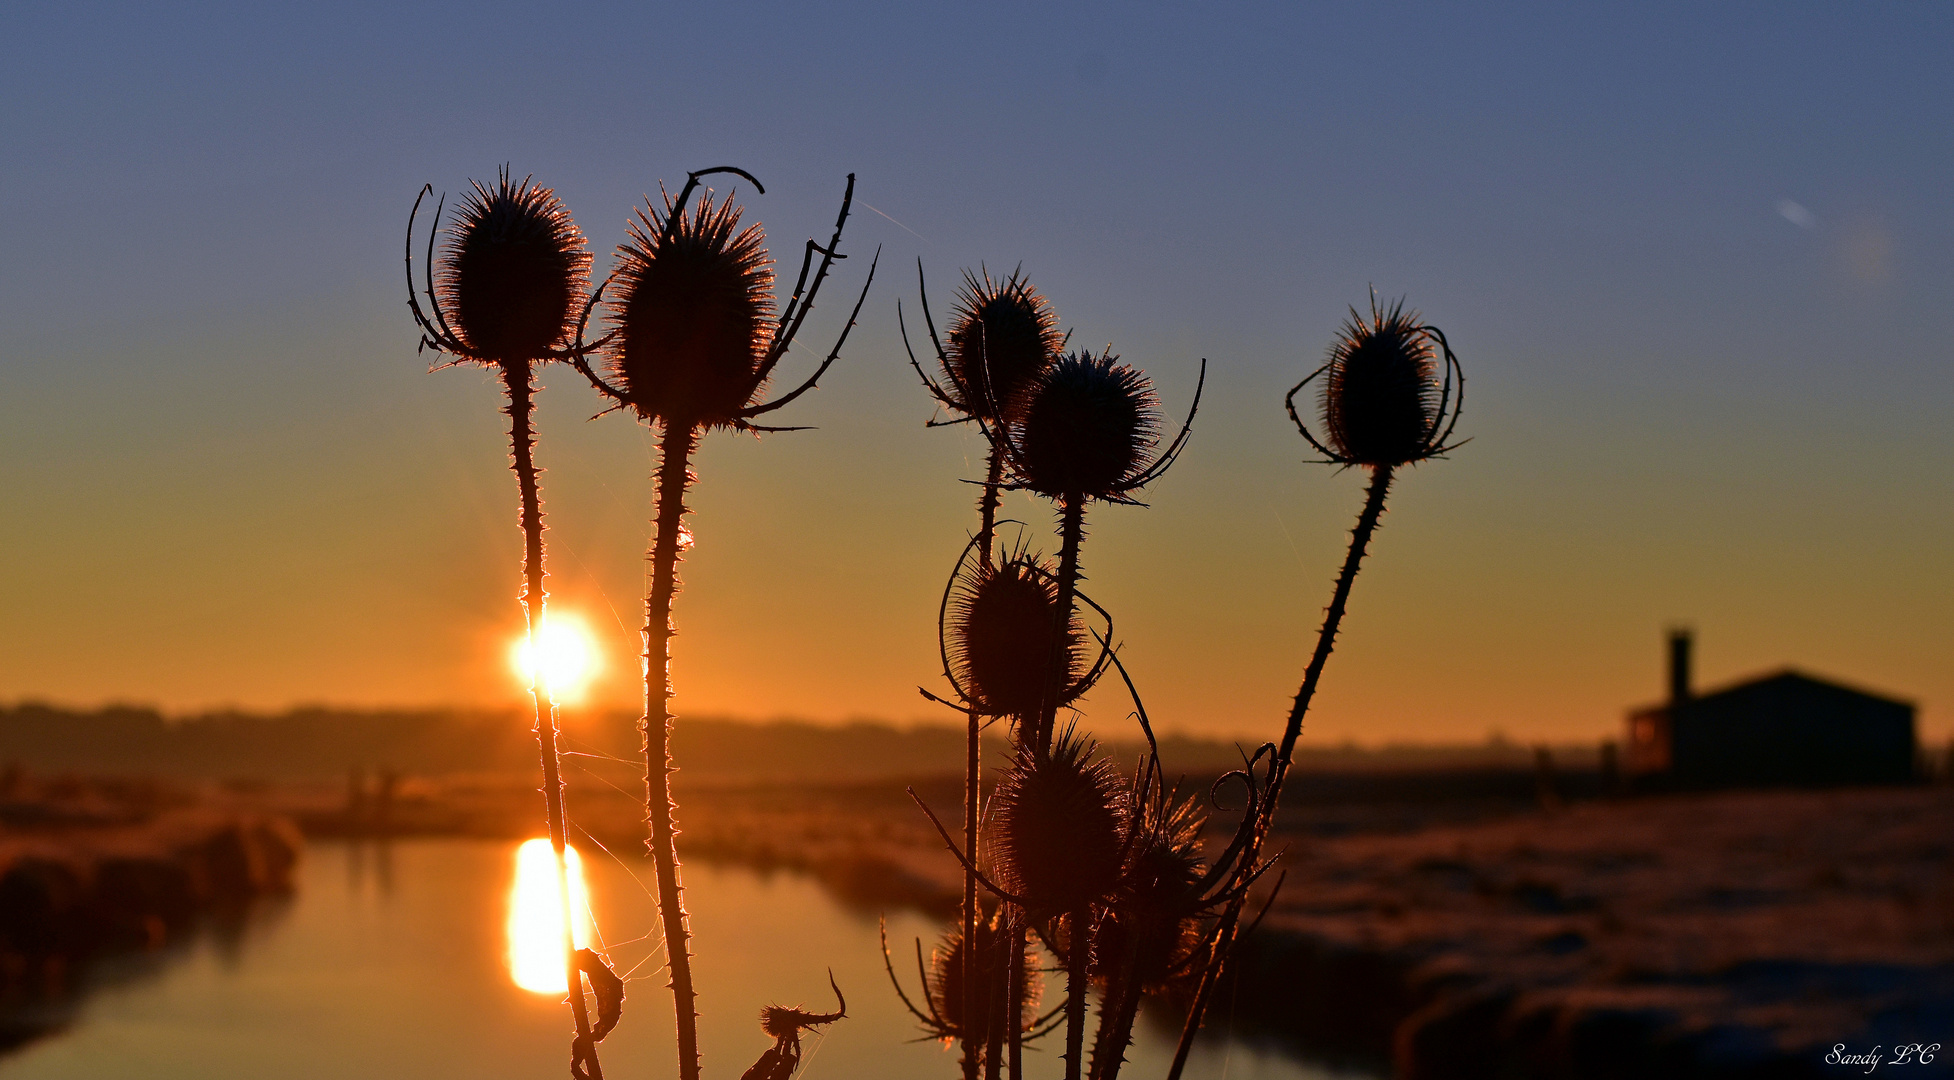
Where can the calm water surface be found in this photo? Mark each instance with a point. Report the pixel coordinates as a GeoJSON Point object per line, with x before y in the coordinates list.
{"type": "Point", "coordinates": [390, 963]}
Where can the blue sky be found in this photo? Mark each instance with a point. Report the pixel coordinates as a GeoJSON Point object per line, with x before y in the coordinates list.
{"type": "Point", "coordinates": [1698, 267]}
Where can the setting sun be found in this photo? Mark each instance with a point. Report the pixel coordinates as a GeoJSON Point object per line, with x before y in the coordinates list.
{"type": "Point", "coordinates": [536, 959]}
{"type": "Point", "coordinates": [569, 657]}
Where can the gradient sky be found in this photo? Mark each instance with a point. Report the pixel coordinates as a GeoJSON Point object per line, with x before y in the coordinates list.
{"type": "Point", "coordinates": [1698, 263]}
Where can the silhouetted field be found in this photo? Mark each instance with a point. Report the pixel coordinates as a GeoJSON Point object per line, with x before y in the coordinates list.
{"type": "Point", "coordinates": [1457, 910]}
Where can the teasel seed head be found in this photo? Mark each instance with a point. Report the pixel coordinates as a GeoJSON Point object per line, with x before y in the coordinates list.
{"type": "Point", "coordinates": [693, 311]}
{"type": "Point", "coordinates": [1060, 827]}
{"type": "Point", "coordinates": [991, 970]}
{"type": "Point", "coordinates": [781, 1022]}
{"type": "Point", "coordinates": [1381, 397]}
{"type": "Point", "coordinates": [1087, 425]}
{"type": "Point", "coordinates": [1002, 335]}
{"type": "Point", "coordinates": [1004, 632]}
{"type": "Point", "coordinates": [513, 270]}
{"type": "Point", "coordinates": [1158, 903]}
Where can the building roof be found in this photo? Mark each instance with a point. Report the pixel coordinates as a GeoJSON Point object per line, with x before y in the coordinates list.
{"type": "Point", "coordinates": [1785, 678]}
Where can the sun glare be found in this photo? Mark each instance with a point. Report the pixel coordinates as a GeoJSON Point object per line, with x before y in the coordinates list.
{"type": "Point", "coordinates": [569, 657]}
{"type": "Point", "coordinates": [536, 957]}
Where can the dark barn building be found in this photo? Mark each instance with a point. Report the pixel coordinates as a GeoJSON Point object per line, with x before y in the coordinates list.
{"type": "Point", "coordinates": [1785, 729]}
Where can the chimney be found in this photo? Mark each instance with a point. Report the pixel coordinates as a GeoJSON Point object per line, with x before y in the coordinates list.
{"type": "Point", "coordinates": [1679, 643]}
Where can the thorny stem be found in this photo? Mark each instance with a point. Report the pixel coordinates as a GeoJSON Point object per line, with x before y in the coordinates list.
{"type": "Point", "coordinates": [1129, 1010]}
{"type": "Point", "coordinates": [674, 475]}
{"type": "Point", "coordinates": [1117, 1009]}
{"type": "Point", "coordinates": [1078, 959]}
{"type": "Point", "coordinates": [1072, 530]}
{"type": "Point", "coordinates": [1016, 1021]}
{"type": "Point", "coordinates": [1224, 939]}
{"type": "Point", "coordinates": [1004, 1009]}
{"type": "Point", "coordinates": [987, 512]}
{"type": "Point", "coordinates": [1326, 640]}
{"type": "Point", "coordinates": [987, 503]}
{"type": "Point", "coordinates": [972, 1038]}
{"type": "Point", "coordinates": [515, 376]}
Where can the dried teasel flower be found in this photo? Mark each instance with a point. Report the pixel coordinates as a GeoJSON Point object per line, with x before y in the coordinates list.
{"type": "Point", "coordinates": [785, 1025]}
{"type": "Point", "coordinates": [514, 271]}
{"type": "Point", "coordinates": [1004, 633]}
{"type": "Point", "coordinates": [693, 314]}
{"type": "Point", "coordinates": [1388, 396]}
{"type": "Point", "coordinates": [1155, 912]}
{"type": "Point", "coordinates": [513, 276]}
{"type": "Point", "coordinates": [1002, 335]}
{"type": "Point", "coordinates": [692, 346]}
{"type": "Point", "coordinates": [1086, 428]}
{"type": "Point", "coordinates": [1060, 827]}
{"type": "Point", "coordinates": [990, 969]}
{"type": "Point", "coordinates": [1087, 425]}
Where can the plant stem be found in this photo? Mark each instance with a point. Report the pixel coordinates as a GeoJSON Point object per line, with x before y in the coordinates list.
{"type": "Point", "coordinates": [987, 503]}
{"type": "Point", "coordinates": [1326, 639]}
{"type": "Point", "coordinates": [1078, 960]}
{"type": "Point", "coordinates": [1224, 940]}
{"type": "Point", "coordinates": [1005, 1008]}
{"type": "Point", "coordinates": [1072, 529]}
{"type": "Point", "coordinates": [674, 475]}
{"type": "Point", "coordinates": [515, 377]}
{"type": "Point", "coordinates": [1117, 1008]}
{"type": "Point", "coordinates": [987, 513]}
{"type": "Point", "coordinates": [1016, 1020]}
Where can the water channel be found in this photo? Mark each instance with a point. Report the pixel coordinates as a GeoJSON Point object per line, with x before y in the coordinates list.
{"type": "Point", "coordinates": [393, 962]}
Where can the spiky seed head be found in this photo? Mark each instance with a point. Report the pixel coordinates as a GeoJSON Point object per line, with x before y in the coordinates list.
{"type": "Point", "coordinates": [693, 313]}
{"type": "Point", "coordinates": [514, 266]}
{"type": "Point", "coordinates": [1002, 335]}
{"type": "Point", "coordinates": [1165, 863]}
{"type": "Point", "coordinates": [781, 1022]}
{"type": "Point", "coordinates": [990, 972]}
{"type": "Point", "coordinates": [1004, 633]}
{"type": "Point", "coordinates": [1086, 427]}
{"type": "Point", "coordinates": [1060, 827]}
{"type": "Point", "coordinates": [1380, 391]}
{"type": "Point", "coordinates": [1157, 907]}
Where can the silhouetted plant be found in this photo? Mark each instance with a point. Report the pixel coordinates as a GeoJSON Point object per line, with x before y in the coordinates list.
{"type": "Point", "coordinates": [1059, 827]}
{"type": "Point", "coordinates": [1087, 425]}
{"type": "Point", "coordinates": [1002, 335]}
{"type": "Point", "coordinates": [509, 295]}
{"type": "Point", "coordinates": [1173, 917]}
{"type": "Point", "coordinates": [967, 991]}
{"type": "Point", "coordinates": [1081, 428]}
{"type": "Point", "coordinates": [1059, 836]}
{"type": "Point", "coordinates": [1392, 391]}
{"type": "Point", "coordinates": [1001, 628]}
{"type": "Point", "coordinates": [785, 1026]}
{"type": "Point", "coordinates": [694, 344]}
{"type": "Point", "coordinates": [1388, 400]}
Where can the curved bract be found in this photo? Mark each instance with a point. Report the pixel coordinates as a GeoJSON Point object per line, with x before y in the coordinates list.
{"type": "Point", "coordinates": [693, 311]}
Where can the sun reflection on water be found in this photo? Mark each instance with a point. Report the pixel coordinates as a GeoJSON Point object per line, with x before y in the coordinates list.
{"type": "Point", "coordinates": [536, 951]}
